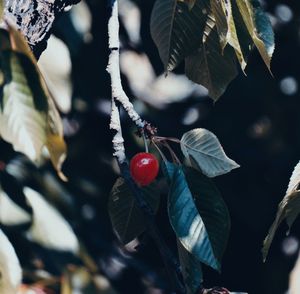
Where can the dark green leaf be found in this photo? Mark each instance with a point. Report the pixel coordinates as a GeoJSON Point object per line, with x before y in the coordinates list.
{"type": "Point", "coordinates": [191, 270]}
{"type": "Point", "coordinates": [210, 67]}
{"type": "Point", "coordinates": [190, 3]}
{"type": "Point", "coordinates": [186, 220]}
{"type": "Point", "coordinates": [244, 38]}
{"type": "Point", "coordinates": [218, 9]}
{"type": "Point", "coordinates": [177, 30]}
{"type": "Point", "coordinates": [127, 219]}
{"type": "Point", "coordinates": [212, 209]}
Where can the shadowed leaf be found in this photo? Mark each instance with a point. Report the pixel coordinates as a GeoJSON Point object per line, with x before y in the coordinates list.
{"type": "Point", "coordinates": [127, 219]}
{"type": "Point", "coordinates": [177, 30]}
{"type": "Point", "coordinates": [191, 270]}
{"type": "Point", "coordinates": [259, 28]}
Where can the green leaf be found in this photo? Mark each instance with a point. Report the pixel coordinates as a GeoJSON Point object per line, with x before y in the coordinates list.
{"type": "Point", "coordinates": [218, 9]}
{"type": "Point", "coordinates": [29, 119]}
{"type": "Point", "coordinates": [225, 22]}
{"type": "Point", "coordinates": [191, 270]}
{"type": "Point", "coordinates": [190, 3]}
{"type": "Point", "coordinates": [209, 66]}
{"type": "Point", "coordinates": [205, 149]}
{"type": "Point", "coordinates": [244, 38]}
{"type": "Point", "coordinates": [288, 209]}
{"type": "Point", "coordinates": [259, 28]}
{"type": "Point", "coordinates": [127, 219]}
{"type": "Point", "coordinates": [186, 220]}
{"type": "Point", "coordinates": [212, 209]}
{"type": "Point", "coordinates": [177, 30]}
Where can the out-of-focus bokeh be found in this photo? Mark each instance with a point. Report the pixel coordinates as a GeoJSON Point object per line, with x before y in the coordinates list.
{"type": "Point", "coordinates": [257, 121]}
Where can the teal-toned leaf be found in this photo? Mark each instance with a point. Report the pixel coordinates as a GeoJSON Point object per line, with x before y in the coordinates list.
{"type": "Point", "coordinates": [127, 219]}
{"type": "Point", "coordinates": [186, 220]}
{"type": "Point", "coordinates": [204, 147]}
{"type": "Point", "coordinates": [212, 209]}
{"type": "Point", "coordinates": [191, 270]}
{"type": "Point", "coordinates": [177, 30]}
{"type": "Point", "coordinates": [211, 66]}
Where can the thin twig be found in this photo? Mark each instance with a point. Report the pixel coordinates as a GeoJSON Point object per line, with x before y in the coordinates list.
{"type": "Point", "coordinates": [173, 154]}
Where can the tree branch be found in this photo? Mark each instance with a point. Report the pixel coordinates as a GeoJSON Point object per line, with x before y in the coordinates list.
{"type": "Point", "coordinates": [118, 94]}
{"type": "Point", "coordinates": [34, 18]}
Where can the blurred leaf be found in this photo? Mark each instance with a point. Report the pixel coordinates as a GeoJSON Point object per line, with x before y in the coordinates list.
{"type": "Point", "coordinates": [28, 117]}
{"type": "Point", "coordinates": [66, 287]}
{"type": "Point", "coordinates": [177, 30]}
{"type": "Point", "coordinates": [191, 270]}
{"type": "Point", "coordinates": [49, 228]}
{"type": "Point", "coordinates": [10, 212]}
{"type": "Point", "coordinates": [2, 5]}
{"type": "Point", "coordinates": [212, 209]}
{"type": "Point", "coordinates": [294, 281]}
{"type": "Point", "coordinates": [259, 28]}
{"type": "Point", "coordinates": [204, 147]}
{"type": "Point", "coordinates": [127, 219]}
{"type": "Point", "coordinates": [288, 209]}
{"type": "Point", "coordinates": [209, 66]}
{"type": "Point", "coordinates": [186, 220]}
{"type": "Point", "coordinates": [11, 272]}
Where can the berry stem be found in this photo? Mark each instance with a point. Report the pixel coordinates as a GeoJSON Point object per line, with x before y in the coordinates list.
{"type": "Point", "coordinates": [145, 142]}
{"type": "Point", "coordinates": [173, 154]}
{"type": "Point", "coordinates": [160, 152]}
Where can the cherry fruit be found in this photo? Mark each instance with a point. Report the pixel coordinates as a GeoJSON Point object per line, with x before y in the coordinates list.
{"type": "Point", "coordinates": [144, 168]}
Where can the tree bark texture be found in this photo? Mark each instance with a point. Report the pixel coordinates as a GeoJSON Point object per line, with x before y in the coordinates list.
{"type": "Point", "coordinates": [34, 18]}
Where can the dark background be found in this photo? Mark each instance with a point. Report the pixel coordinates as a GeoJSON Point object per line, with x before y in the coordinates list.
{"type": "Point", "coordinates": [257, 123]}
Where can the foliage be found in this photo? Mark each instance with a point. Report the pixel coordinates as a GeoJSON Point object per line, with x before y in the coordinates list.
{"type": "Point", "coordinates": [208, 35]}
{"type": "Point", "coordinates": [211, 37]}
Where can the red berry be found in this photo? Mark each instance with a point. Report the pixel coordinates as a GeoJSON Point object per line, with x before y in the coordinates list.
{"type": "Point", "coordinates": [144, 168]}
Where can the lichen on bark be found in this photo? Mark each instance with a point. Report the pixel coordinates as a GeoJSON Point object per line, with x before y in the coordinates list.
{"type": "Point", "coordinates": [35, 18]}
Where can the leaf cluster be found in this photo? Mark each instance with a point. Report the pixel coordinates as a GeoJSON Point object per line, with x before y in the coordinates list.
{"type": "Point", "coordinates": [211, 37]}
